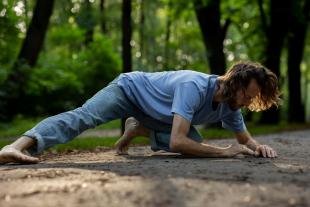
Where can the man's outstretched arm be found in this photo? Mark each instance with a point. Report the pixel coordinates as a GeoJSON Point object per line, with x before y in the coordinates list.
{"type": "Point", "coordinates": [179, 142]}
{"type": "Point", "coordinates": [245, 138]}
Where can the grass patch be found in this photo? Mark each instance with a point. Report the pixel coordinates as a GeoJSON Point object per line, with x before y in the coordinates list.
{"type": "Point", "coordinates": [115, 124]}
{"type": "Point", "coordinates": [4, 142]}
{"type": "Point", "coordinates": [20, 125]}
{"type": "Point", "coordinates": [215, 133]}
{"type": "Point", "coordinates": [89, 143]}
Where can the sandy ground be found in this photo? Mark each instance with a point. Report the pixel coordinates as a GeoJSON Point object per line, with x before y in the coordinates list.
{"type": "Point", "coordinates": [101, 178]}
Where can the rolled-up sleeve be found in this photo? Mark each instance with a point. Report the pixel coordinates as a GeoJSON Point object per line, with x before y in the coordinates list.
{"type": "Point", "coordinates": [186, 100]}
{"type": "Point", "coordinates": [234, 122]}
{"type": "Point", "coordinates": [40, 144]}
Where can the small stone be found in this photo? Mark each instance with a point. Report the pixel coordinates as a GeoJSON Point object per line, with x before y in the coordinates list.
{"type": "Point", "coordinates": [262, 188]}
{"type": "Point", "coordinates": [247, 199]}
{"type": "Point", "coordinates": [292, 201]}
{"type": "Point", "coordinates": [84, 185]}
{"type": "Point", "coordinates": [7, 198]}
{"type": "Point", "coordinates": [188, 185]}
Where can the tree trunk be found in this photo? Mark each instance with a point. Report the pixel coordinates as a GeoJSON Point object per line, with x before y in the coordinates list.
{"type": "Point", "coordinates": [126, 38]}
{"type": "Point", "coordinates": [213, 33]}
{"type": "Point", "coordinates": [26, 12]}
{"type": "Point", "coordinates": [296, 42]}
{"type": "Point", "coordinates": [11, 91]}
{"type": "Point", "coordinates": [103, 25]}
{"type": "Point", "coordinates": [275, 33]}
{"type": "Point", "coordinates": [36, 32]}
{"type": "Point", "coordinates": [88, 22]}
{"type": "Point", "coordinates": [209, 17]}
{"type": "Point", "coordinates": [90, 30]}
{"type": "Point", "coordinates": [141, 33]}
{"type": "Point", "coordinates": [167, 37]}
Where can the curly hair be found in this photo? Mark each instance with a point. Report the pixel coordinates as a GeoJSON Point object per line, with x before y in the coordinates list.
{"type": "Point", "coordinates": [239, 76]}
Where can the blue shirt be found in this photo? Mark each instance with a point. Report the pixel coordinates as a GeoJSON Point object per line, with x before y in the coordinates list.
{"type": "Point", "coordinates": [184, 92]}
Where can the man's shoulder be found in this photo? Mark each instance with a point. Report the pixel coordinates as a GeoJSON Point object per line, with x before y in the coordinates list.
{"type": "Point", "coordinates": [202, 81]}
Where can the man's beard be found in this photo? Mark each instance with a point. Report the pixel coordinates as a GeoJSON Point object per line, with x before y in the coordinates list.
{"type": "Point", "coordinates": [232, 103]}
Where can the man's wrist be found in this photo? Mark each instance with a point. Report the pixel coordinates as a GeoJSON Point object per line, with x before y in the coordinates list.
{"type": "Point", "coordinates": [225, 152]}
{"type": "Point", "coordinates": [252, 144]}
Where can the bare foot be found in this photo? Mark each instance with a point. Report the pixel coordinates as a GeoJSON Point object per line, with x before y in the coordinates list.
{"type": "Point", "coordinates": [9, 154]}
{"type": "Point", "coordinates": [131, 128]}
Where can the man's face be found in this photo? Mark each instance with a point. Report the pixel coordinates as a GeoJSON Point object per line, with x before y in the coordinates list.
{"type": "Point", "coordinates": [243, 97]}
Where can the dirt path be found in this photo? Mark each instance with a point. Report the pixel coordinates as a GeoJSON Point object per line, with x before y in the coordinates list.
{"type": "Point", "coordinates": [146, 179]}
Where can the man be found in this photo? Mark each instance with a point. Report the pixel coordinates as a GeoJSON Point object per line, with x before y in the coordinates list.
{"type": "Point", "coordinates": [164, 106]}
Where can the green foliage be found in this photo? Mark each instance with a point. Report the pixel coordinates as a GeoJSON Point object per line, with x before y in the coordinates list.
{"type": "Point", "coordinates": [184, 48]}
{"type": "Point", "coordinates": [53, 74]}
{"type": "Point", "coordinates": [85, 19]}
{"type": "Point", "coordinates": [98, 65]}
{"type": "Point", "coordinates": [69, 73]}
{"type": "Point", "coordinates": [9, 36]}
{"type": "Point", "coordinates": [245, 38]}
{"type": "Point", "coordinates": [66, 35]}
{"type": "Point", "coordinates": [17, 126]}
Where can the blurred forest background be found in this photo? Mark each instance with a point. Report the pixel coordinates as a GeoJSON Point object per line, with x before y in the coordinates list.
{"type": "Point", "coordinates": [55, 54]}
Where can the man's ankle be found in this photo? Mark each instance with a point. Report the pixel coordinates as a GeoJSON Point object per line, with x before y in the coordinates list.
{"type": "Point", "coordinates": [23, 143]}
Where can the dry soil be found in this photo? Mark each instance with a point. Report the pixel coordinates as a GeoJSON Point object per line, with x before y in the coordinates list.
{"type": "Point", "coordinates": [100, 178]}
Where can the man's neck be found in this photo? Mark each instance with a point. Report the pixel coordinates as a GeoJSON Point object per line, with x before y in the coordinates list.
{"type": "Point", "coordinates": [218, 94]}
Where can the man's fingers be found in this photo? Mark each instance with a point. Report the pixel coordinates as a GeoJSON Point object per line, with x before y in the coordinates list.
{"type": "Point", "coordinates": [274, 153]}
{"type": "Point", "coordinates": [271, 152]}
{"type": "Point", "coordinates": [260, 151]}
{"type": "Point", "coordinates": [247, 151]}
{"type": "Point", "coordinates": [268, 150]}
{"type": "Point", "coordinates": [263, 151]}
{"type": "Point", "coordinates": [257, 153]}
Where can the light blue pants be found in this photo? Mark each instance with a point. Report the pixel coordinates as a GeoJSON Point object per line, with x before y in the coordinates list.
{"type": "Point", "coordinates": [108, 104]}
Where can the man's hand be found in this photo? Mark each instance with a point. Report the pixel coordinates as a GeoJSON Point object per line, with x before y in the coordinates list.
{"type": "Point", "coordinates": [236, 149]}
{"type": "Point", "coordinates": [265, 151]}
{"type": "Point", "coordinates": [259, 149]}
